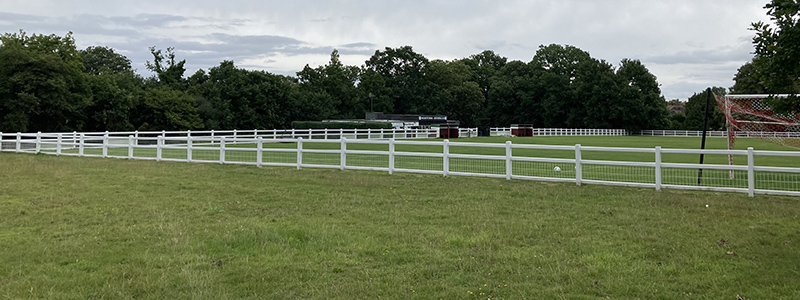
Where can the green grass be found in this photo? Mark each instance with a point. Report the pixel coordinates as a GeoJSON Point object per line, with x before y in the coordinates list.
{"type": "Point", "coordinates": [84, 228]}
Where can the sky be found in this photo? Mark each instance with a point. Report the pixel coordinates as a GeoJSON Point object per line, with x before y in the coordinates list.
{"type": "Point", "coordinates": [688, 44]}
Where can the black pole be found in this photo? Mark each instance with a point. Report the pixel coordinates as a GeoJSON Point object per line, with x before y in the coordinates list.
{"type": "Point", "coordinates": [703, 143]}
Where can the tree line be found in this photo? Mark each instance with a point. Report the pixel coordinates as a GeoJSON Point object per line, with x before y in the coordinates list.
{"type": "Point", "coordinates": [47, 84]}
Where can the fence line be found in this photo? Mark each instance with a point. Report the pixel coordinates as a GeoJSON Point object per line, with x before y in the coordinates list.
{"type": "Point", "coordinates": [506, 131]}
{"type": "Point", "coordinates": [716, 133]}
{"type": "Point", "coordinates": [509, 160]}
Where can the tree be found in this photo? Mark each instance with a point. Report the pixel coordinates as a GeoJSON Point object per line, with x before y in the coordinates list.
{"type": "Point", "coordinates": [462, 96]}
{"type": "Point", "coordinates": [98, 60]}
{"type": "Point", "coordinates": [746, 80]}
{"type": "Point", "coordinates": [42, 83]}
{"type": "Point", "coordinates": [114, 98]}
{"type": "Point", "coordinates": [641, 104]}
{"type": "Point", "coordinates": [165, 109]}
{"type": "Point", "coordinates": [516, 95]}
{"type": "Point", "coordinates": [335, 87]}
{"type": "Point", "coordinates": [403, 72]}
{"type": "Point", "coordinates": [168, 71]}
{"type": "Point", "coordinates": [485, 65]}
{"type": "Point", "coordinates": [777, 52]}
{"type": "Point", "coordinates": [695, 111]}
{"type": "Point", "coordinates": [230, 97]}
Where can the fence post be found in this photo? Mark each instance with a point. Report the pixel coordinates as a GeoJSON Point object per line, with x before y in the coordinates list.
{"type": "Point", "coordinates": [19, 141]}
{"type": "Point", "coordinates": [658, 168]}
{"type": "Point", "coordinates": [158, 147]}
{"type": "Point", "coordinates": [369, 133]}
{"type": "Point", "coordinates": [391, 156]}
{"type": "Point", "coordinates": [38, 141]}
{"type": "Point", "coordinates": [299, 153]}
{"type": "Point", "coordinates": [259, 152]}
{"type": "Point", "coordinates": [212, 136]}
{"type": "Point", "coordinates": [59, 140]}
{"type": "Point", "coordinates": [751, 178]}
{"type": "Point", "coordinates": [81, 144]}
{"type": "Point", "coordinates": [234, 136]}
{"type": "Point", "coordinates": [1, 141]}
{"type": "Point", "coordinates": [74, 138]}
{"type": "Point", "coordinates": [446, 158]}
{"type": "Point", "coordinates": [508, 160]}
{"type": "Point", "coordinates": [343, 155]}
{"type": "Point", "coordinates": [222, 149]}
{"type": "Point", "coordinates": [130, 146]}
{"type": "Point", "coordinates": [189, 147]}
{"type": "Point", "coordinates": [105, 145]}
{"type": "Point", "coordinates": [578, 166]}
{"type": "Point", "coordinates": [326, 133]}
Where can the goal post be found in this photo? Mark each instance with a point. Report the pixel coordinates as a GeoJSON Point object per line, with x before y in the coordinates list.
{"type": "Point", "coordinates": [753, 116]}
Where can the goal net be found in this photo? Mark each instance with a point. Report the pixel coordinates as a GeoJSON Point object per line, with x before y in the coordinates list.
{"type": "Point", "coordinates": [752, 116]}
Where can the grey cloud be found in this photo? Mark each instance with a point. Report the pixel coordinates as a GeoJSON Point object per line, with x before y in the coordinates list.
{"type": "Point", "coordinates": [147, 20]}
{"type": "Point", "coordinates": [705, 56]}
{"type": "Point", "coordinates": [12, 17]}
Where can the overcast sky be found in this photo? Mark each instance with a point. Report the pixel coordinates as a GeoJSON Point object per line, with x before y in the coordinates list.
{"type": "Point", "coordinates": [688, 44]}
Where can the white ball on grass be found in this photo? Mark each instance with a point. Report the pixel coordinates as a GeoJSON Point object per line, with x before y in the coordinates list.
{"type": "Point", "coordinates": [557, 169]}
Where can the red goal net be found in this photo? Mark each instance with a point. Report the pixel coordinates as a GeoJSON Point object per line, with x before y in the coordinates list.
{"type": "Point", "coordinates": [752, 116]}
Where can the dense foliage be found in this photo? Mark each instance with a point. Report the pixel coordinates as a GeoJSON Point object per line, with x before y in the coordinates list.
{"type": "Point", "coordinates": [775, 68]}
{"type": "Point", "coordinates": [46, 84]}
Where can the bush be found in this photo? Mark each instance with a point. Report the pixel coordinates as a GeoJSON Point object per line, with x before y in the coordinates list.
{"type": "Point", "coordinates": [337, 125]}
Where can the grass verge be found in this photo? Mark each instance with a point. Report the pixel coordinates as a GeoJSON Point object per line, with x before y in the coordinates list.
{"type": "Point", "coordinates": [105, 228]}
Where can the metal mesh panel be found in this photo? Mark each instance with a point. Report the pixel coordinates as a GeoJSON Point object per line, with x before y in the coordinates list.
{"type": "Point", "coordinates": [368, 160]}
{"type": "Point", "coordinates": [418, 163]}
{"type": "Point", "coordinates": [232, 155]}
{"type": "Point", "coordinates": [480, 166]}
{"type": "Point", "coordinates": [331, 159]}
{"type": "Point", "coordinates": [619, 173]}
{"type": "Point", "coordinates": [777, 181]}
{"type": "Point", "coordinates": [173, 154]}
{"type": "Point", "coordinates": [205, 153]}
{"type": "Point", "coordinates": [279, 157]}
{"type": "Point", "coordinates": [543, 169]}
{"type": "Point", "coordinates": [710, 178]}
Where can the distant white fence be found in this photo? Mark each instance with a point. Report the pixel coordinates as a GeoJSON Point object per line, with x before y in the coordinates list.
{"type": "Point", "coordinates": [696, 133]}
{"type": "Point", "coordinates": [506, 131]}
{"type": "Point", "coordinates": [507, 160]}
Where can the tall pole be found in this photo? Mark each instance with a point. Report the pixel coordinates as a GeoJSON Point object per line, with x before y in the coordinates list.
{"type": "Point", "coordinates": [703, 143]}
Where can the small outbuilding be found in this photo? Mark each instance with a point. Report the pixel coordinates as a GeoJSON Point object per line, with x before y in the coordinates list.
{"type": "Point", "coordinates": [521, 129]}
{"type": "Point", "coordinates": [446, 131]}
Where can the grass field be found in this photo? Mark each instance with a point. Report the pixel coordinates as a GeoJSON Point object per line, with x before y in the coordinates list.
{"type": "Point", "coordinates": [85, 228]}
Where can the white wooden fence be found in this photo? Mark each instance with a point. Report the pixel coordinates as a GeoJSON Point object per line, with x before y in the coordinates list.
{"type": "Point", "coordinates": [506, 160]}
{"type": "Point", "coordinates": [506, 131]}
{"type": "Point", "coordinates": [696, 133]}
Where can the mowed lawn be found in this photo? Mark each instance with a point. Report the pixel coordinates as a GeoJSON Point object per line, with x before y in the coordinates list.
{"type": "Point", "coordinates": [90, 228]}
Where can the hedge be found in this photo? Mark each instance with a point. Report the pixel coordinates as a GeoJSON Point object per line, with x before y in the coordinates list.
{"type": "Point", "coordinates": [337, 125]}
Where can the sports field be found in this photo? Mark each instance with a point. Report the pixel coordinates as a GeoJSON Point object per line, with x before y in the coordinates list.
{"type": "Point", "coordinates": [105, 229]}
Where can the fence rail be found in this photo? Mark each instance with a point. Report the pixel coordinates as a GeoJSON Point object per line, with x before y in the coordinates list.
{"type": "Point", "coordinates": [636, 167]}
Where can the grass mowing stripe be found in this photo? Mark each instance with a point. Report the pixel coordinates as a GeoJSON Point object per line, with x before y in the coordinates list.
{"type": "Point", "coordinates": [99, 228]}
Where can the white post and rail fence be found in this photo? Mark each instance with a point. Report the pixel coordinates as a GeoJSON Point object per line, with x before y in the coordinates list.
{"type": "Point", "coordinates": [657, 168]}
